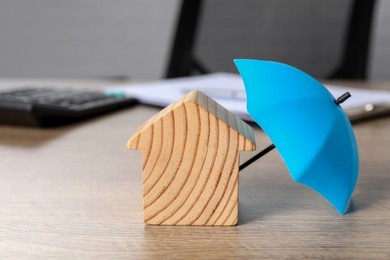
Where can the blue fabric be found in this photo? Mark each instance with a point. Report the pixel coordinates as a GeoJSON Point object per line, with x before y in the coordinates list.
{"type": "Point", "coordinates": [311, 132]}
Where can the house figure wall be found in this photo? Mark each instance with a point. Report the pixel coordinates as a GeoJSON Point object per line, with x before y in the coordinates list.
{"type": "Point", "coordinates": [190, 160]}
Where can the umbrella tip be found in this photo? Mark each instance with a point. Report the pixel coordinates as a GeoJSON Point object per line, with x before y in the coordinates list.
{"type": "Point", "coordinates": [349, 208]}
{"type": "Point", "coordinates": [342, 98]}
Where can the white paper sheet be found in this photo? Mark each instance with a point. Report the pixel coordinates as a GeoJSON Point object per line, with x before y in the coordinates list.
{"type": "Point", "coordinates": [228, 90]}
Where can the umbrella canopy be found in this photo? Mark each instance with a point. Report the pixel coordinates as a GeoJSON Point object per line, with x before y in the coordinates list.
{"type": "Point", "coordinates": [311, 132]}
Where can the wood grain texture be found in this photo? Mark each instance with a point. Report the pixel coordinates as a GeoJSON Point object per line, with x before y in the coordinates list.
{"type": "Point", "coordinates": [190, 156]}
{"type": "Point", "coordinates": [75, 192]}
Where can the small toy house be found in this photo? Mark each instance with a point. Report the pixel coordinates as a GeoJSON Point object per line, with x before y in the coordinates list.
{"type": "Point", "coordinates": [190, 160]}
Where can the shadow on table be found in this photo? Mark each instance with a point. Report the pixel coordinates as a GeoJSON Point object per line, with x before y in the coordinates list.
{"type": "Point", "coordinates": [371, 197]}
{"type": "Point", "coordinates": [270, 193]}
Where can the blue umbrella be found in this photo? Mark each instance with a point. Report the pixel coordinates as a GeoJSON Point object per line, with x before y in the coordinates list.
{"type": "Point", "coordinates": [306, 124]}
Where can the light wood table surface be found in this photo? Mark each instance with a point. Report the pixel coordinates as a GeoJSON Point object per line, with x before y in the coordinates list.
{"type": "Point", "coordinates": [74, 192]}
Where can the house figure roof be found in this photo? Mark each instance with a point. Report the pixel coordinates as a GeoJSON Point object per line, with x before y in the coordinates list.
{"type": "Point", "coordinates": [190, 156]}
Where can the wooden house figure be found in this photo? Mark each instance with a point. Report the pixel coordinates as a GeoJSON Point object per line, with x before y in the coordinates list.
{"type": "Point", "coordinates": [190, 160]}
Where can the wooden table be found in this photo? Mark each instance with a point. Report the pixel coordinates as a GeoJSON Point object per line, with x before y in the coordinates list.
{"type": "Point", "coordinates": [75, 193]}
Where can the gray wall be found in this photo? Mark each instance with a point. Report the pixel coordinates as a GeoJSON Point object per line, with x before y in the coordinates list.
{"type": "Point", "coordinates": [85, 38]}
{"type": "Point", "coordinates": [116, 38]}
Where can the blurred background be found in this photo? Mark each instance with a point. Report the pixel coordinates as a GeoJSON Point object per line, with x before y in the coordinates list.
{"type": "Point", "coordinates": [132, 39]}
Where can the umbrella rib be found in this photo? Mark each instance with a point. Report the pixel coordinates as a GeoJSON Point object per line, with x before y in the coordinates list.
{"type": "Point", "coordinates": [257, 156]}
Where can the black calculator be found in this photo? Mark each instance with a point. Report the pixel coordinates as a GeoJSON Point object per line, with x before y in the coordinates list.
{"type": "Point", "coordinates": [35, 106]}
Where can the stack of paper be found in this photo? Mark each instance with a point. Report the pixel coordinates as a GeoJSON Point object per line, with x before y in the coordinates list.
{"type": "Point", "coordinates": [228, 90]}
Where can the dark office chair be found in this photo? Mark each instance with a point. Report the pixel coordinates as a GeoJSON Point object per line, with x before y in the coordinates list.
{"type": "Point", "coordinates": [327, 39]}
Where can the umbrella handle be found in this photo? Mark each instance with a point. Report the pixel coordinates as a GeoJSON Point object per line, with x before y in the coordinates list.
{"type": "Point", "coordinates": [257, 156]}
